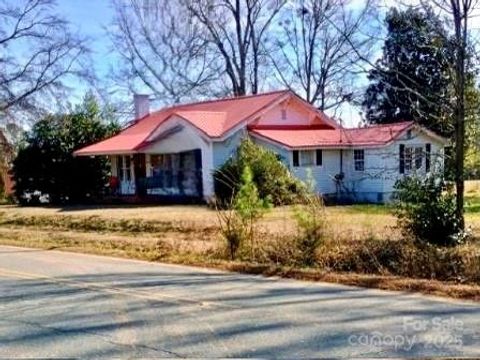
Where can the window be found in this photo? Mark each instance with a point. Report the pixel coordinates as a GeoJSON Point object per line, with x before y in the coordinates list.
{"type": "Point", "coordinates": [411, 158]}
{"type": "Point", "coordinates": [124, 167]}
{"type": "Point", "coordinates": [284, 114]}
{"type": "Point", "coordinates": [359, 159]}
{"type": "Point", "coordinates": [307, 158]}
{"type": "Point", "coordinates": [418, 158]}
{"type": "Point", "coordinates": [408, 159]}
{"type": "Point", "coordinates": [155, 165]}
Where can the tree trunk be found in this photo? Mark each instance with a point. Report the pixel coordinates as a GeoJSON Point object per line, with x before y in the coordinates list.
{"type": "Point", "coordinates": [460, 21]}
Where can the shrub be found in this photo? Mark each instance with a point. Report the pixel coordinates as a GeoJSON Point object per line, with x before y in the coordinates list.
{"type": "Point", "coordinates": [425, 209]}
{"type": "Point", "coordinates": [311, 225]}
{"type": "Point", "coordinates": [377, 255]}
{"type": "Point", "coordinates": [231, 229]}
{"type": "Point", "coordinates": [238, 222]}
{"type": "Point", "coordinates": [271, 177]}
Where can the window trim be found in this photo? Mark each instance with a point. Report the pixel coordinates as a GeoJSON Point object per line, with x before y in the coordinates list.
{"type": "Point", "coordinates": [125, 173]}
{"type": "Point", "coordinates": [311, 154]}
{"type": "Point", "coordinates": [410, 158]}
{"type": "Point", "coordinates": [356, 160]}
{"type": "Point", "coordinates": [297, 158]}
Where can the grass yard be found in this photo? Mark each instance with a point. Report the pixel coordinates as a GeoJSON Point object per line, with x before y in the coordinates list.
{"type": "Point", "coordinates": [190, 235]}
{"type": "Point", "coordinates": [345, 222]}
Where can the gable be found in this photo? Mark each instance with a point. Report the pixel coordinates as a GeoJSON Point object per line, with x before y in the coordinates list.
{"type": "Point", "coordinates": [286, 113]}
{"type": "Point", "coordinates": [421, 135]}
{"type": "Point", "coordinates": [174, 133]}
{"type": "Point", "coordinates": [292, 111]}
{"type": "Point", "coordinates": [175, 137]}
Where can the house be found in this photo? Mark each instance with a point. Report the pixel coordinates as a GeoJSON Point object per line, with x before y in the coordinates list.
{"type": "Point", "coordinates": [173, 152]}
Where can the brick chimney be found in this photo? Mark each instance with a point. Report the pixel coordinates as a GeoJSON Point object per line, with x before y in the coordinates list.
{"type": "Point", "coordinates": [142, 105]}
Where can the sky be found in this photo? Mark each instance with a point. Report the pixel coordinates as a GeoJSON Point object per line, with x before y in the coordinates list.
{"type": "Point", "coordinates": [90, 17]}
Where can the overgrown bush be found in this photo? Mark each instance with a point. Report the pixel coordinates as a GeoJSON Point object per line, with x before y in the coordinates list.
{"type": "Point", "coordinates": [425, 209]}
{"type": "Point", "coordinates": [270, 175]}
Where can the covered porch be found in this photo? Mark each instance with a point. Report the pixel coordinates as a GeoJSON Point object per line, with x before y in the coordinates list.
{"type": "Point", "coordinates": [157, 175]}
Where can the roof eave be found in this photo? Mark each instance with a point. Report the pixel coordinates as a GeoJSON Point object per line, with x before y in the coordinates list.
{"type": "Point", "coordinates": [104, 153]}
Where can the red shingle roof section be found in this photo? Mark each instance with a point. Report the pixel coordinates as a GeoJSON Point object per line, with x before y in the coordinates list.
{"type": "Point", "coordinates": [302, 138]}
{"type": "Point", "coordinates": [214, 118]}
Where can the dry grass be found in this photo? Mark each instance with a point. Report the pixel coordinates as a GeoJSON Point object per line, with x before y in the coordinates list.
{"type": "Point", "coordinates": [346, 222]}
{"type": "Point", "coordinates": [189, 235]}
{"type": "Point", "coordinates": [179, 249]}
{"type": "Point", "coordinates": [472, 186]}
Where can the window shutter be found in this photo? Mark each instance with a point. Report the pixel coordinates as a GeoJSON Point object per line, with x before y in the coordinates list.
{"type": "Point", "coordinates": [428, 150]}
{"type": "Point", "coordinates": [295, 158]}
{"type": "Point", "coordinates": [402, 159]}
{"type": "Point", "coordinates": [319, 157]}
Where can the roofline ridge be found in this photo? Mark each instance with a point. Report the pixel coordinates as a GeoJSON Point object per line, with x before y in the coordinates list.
{"type": "Point", "coordinates": [382, 125]}
{"type": "Point", "coordinates": [200, 111]}
{"type": "Point", "coordinates": [179, 106]}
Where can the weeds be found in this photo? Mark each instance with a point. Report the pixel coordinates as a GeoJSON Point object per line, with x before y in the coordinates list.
{"type": "Point", "coordinates": [239, 221]}
{"type": "Point", "coordinates": [231, 229]}
{"type": "Point", "coordinates": [311, 224]}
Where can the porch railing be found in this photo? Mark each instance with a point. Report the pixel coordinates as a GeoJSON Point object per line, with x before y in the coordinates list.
{"type": "Point", "coordinates": [172, 182]}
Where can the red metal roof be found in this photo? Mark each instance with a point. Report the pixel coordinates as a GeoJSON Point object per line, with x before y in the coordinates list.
{"type": "Point", "coordinates": [376, 135]}
{"type": "Point", "coordinates": [214, 118]}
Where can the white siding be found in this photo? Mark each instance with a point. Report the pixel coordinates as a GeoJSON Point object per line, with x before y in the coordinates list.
{"type": "Point", "coordinates": [281, 151]}
{"type": "Point", "coordinates": [382, 169]}
{"type": "Point", "coordinates": [223, 150]}
{"type": "Point", "coordinates": [324, 175]}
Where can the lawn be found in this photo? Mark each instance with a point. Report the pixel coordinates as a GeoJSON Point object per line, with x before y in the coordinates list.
{"type": "Point", "coordinates": [190, 235]}
{"type": "Point", "coordinates": [344, 221]}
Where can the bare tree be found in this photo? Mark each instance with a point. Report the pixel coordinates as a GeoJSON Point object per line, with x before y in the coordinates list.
{"type": "Point", "coordinates": [237, 31]}
{"type": "Point", "coordinates": [38, 51]}
{"type": "Point", "coordinates": [459, 12]}
{"type": "Point", "coordinates": [318, 50]}
{"type": "Point", "coordinates": [161, 50]}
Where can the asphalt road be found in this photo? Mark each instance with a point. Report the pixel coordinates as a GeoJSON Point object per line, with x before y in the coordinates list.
{"type": "Point", "coordinates": [58, 304]}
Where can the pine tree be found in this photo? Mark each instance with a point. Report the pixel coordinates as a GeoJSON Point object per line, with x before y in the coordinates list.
{"type": "Point", "coordinates": [412, 80]}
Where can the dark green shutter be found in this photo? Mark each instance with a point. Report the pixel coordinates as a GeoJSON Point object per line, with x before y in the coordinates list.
{"type": "Point", "coordinates": [428, 150]}
{"type": "Point", "coordinates": [319, 157]}
{"type": "Point", "coordinates": [295, 158]}
{"type": "Point", "coordinates": [402, 159]}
